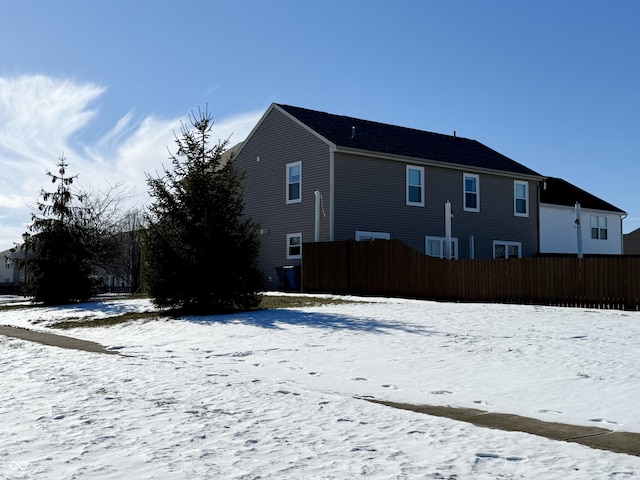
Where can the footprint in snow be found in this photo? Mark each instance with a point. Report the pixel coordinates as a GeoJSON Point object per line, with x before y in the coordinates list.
{"type": "Point", "coordinates": [440, 392]}
{"type": "Point", "coordinates": [603, 420]}
{"type": "Point", "coordinates": [287, 392]}
{"type": "Point", "coordinates": [388, 385]}
{"type": "Point", "coordinates": [359, 379]}
{"type": "Point", "coordinates": [487, 455]}
{"type": "Point", "coordinates": [482, 455]}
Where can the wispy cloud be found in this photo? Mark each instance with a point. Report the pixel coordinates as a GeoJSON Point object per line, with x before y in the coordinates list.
{"type": "Point", "coordinates": [40, 117]}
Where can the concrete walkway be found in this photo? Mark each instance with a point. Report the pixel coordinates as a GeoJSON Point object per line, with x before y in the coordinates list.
{"type": "Point", "coordinates": [54, 340]}
{"type": "Point", "coordinates": [620, 442]}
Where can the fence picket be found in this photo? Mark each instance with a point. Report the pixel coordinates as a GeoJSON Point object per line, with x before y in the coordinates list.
{"type": "Point", "coordinates": [389, 267]}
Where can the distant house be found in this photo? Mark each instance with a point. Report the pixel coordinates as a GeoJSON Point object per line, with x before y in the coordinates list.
{"type": "Point", "coordinates": [10, 274]}
{"type": "Point", "coordinates": [601, 222]}
{"type": "Point", "coordinates": [315, 176]}
{"type": "Point", "coordinates": [632, 242]}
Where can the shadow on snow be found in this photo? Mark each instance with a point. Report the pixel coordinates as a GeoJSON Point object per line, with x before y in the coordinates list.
{"type": "Point", "coordinates": [275, 319]}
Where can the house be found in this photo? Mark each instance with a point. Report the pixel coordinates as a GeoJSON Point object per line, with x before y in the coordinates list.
{"type": "Point", "coordinates": [314, 176]}
{"type": "Point", "coordinates": [600, 222]}
{"type": "Point", "coordinates": [11, 277]}
{"type": "Point", "coordinates": [631, 242]}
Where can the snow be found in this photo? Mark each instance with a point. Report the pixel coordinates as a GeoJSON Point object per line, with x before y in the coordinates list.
{"type": "Point", "coordinates": [275, 394]}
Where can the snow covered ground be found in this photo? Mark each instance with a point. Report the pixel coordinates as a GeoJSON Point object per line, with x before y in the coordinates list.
{"type": "Point", "coordinates": [273, 394]}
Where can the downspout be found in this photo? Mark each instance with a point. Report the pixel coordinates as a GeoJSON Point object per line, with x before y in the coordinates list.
{"type": "Point", "coordinates": [447, 229]}
{"type": "Point", "coordinates": [332, 161]}
{"type": "Point", "coordinates": [622, 217]}
{"type": "Point", "coordinates": [317, 215]}
{"type": "Point", "coordinates": [543, 185]}
{"type": "Point", "coordinates": [578, 222]}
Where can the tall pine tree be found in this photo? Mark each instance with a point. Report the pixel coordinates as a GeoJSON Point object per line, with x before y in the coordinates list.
{"type": "Point", "coordinates": [199, 252]}
{"type": "Point", "coordinates": [58, 260]}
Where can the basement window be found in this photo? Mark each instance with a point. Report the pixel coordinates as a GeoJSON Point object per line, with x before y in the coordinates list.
{"type": "Point", "coordinates": [503, 249]}
{"type": "Point", "coordinates": [436, 247]}
{"type": "Point", "coordinates": [294, 246]}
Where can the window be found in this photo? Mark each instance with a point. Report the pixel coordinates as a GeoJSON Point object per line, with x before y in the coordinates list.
{"type": "Point", "coordinates": [435, 247]}
{"type": "Point", "coordinates": [415, 186]}
{"type": "Point", "coordinates": [471, 192]}
{"type": "Point", "coordinates": [294, 245]}
{"type": "Point", "coordinates": [520, 198]}
{"type": "Point", "coordinates": [507, 249]}
{"type": "Point", "coordinates": [294, 182]}
{"type": "Point", "coordinates": [7, 262]}
{"type": "Point", "coordinates": [598, 227]}
{"type": "Point", "coordinates": [363, 236]}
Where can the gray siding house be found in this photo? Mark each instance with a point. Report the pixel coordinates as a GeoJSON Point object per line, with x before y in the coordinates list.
{"type": "Point", "coordinates": [314, 176]}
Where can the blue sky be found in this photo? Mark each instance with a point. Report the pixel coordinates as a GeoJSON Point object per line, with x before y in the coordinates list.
{"type": "Point", "coordinates": [553, 85]}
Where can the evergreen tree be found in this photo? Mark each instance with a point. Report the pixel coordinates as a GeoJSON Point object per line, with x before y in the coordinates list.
{"type": "Point", "coordinates": [58, 256]}
{"type": "Point", "coordinates": [199, 253]}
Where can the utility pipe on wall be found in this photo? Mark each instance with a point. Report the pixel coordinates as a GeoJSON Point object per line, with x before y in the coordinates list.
{"type": "Point", "coordinates": [447, 229]}
{"type": "Point", "coordinates": [578, 229]}
{"type": "Point", "coordinates": [318, 197]}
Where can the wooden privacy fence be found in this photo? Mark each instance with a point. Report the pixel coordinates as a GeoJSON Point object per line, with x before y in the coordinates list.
{"type": "Point", "coordinates": [390, 268]}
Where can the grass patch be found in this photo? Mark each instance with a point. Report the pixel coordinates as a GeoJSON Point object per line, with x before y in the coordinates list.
{"type": "Point", "coordinates": [106, 322]}
{"type": "Point", "coordinates": [269, 302]}
{"type": "Point", "coordinates": [10, 306]}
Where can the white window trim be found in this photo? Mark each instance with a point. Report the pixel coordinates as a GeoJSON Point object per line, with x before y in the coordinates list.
{"type": "Point", "coordinates": [289, 237]}
{"type": "Point", "coordinates": [299, 199]}
{"type": "Point", "coordinates": [506, 247]}
{"type": "Point", "coordinates": [599, 228]}
{"type": "Point", "coordinates": [421, 170]}
{"type": "Point", "coordinates": [442, 240]}
{"type": "Point", "coordinates": [464, 192]}
{"type": "Point", "coordinates": [515, 198]}
{"type": "Point", "coordinates": [362, 235]}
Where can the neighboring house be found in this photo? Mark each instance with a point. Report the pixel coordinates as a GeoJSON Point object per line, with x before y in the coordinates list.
{"type": "Point", "coordinates": [314, 176]}
{"type": "Point", "coordinates": [600, 222]}
{"type": "Point", "coordinates": [631, 242]}
{"type": "Point", "coordinates": [9, 273]}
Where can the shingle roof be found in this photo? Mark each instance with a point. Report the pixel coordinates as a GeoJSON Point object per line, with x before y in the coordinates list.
{"type": "Point", "coordinates": [561, 192]}
{"type": "Point", "coordinates": [393, 140]}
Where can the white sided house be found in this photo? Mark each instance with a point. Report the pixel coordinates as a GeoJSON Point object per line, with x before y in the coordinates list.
{"type": "Point", "coordinates": [599, 228]}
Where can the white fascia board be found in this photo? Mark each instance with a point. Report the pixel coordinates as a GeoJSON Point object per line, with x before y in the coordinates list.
{"type": "Point", "coordinates": [583, 210]}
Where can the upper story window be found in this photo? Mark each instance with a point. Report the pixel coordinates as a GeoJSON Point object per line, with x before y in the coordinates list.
{"type": "Point", "coordinates": [599, 227]}
{"type": "Point", "coordinates": [520, 198]}
{"type": "Point", "coordinates": [294, 182]}
{"type": "Point", "coordinates": [415, 186]}
{"type": "Point", "coordinates": [294, 245]}
{"type": "Point", "coordinates": [471, 192]}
